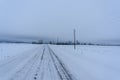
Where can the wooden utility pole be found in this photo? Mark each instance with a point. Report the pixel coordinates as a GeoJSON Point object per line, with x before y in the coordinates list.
{"type": "Point", "coordinates": [74, 33]}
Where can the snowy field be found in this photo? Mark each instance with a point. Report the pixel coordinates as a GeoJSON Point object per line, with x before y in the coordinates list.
{"type": "Point", "coordinates": [10, 50]}
{"type": "Point", "coordinates": [53, 62]}
{"type": "Point", "coordinates": [91, 62]}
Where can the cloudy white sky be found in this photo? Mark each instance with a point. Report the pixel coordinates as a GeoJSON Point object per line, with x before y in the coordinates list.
{"type": "Point", "coordinates": [94, 20]}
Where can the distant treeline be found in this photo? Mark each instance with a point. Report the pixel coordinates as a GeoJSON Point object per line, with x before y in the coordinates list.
{"type": "Point", "coordinates": [15, 42]}
{"type": "Point", "coordinates": [60, 43]}
{"type": "Point", "coordinates": [71, 43]}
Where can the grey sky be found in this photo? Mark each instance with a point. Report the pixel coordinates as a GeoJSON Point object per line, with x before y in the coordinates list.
{"type": "Point", "coordinates": [94, 20]}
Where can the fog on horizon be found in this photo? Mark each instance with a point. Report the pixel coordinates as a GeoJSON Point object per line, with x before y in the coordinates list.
{"type": "Point", "coordinates": [94, 20]}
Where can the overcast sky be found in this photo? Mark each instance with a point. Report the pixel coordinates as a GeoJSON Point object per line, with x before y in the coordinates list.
{"type": "Point", "coordinates": [94, 20]}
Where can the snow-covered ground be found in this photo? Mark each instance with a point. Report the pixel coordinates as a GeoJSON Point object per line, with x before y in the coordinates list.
{"type": "Point", "coordinates": [91, 62]}
{"type": "Point", "coordinates": [55, 62]}
{"type": "Point", "coordinates": [8, 50]}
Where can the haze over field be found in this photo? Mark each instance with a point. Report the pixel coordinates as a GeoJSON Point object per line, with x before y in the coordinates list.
{"type": "Point", "coordinates": [94, 20]}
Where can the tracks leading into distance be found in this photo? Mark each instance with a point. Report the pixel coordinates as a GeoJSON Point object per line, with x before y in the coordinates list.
{"type": "Point", "coordinates": [43, 65]}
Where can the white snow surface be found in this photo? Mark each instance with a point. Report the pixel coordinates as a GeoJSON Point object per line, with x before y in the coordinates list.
{"type": "Point", "coordinates": [91, 62]}
{"type": "Point", "coordinates": [8, 50]}
{"type": "Point", "coordinates": [59, 62]}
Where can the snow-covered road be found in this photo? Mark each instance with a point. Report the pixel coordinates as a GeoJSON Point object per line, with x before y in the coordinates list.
{"type": "Point", "coordinates": [59, 62]}
{"type": "Point", "coordinates": [40, 63]}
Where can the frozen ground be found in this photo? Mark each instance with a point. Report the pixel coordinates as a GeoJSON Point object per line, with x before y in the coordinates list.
{"type": "Point", "coordinates": [43, 62]}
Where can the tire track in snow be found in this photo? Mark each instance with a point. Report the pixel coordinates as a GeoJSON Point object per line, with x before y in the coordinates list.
{"type": "Point", "coordinates": [63, 73]}
{"type": "Point", "coordinates": [24, 72]}
{"type": "Point", "coordinates": [43, 66]}
{"type": "Point", "coordinates": [46, 69]}
{"type": "Point", "coordinates": [39, 67]}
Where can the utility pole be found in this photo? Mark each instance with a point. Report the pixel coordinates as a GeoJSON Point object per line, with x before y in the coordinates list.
{"type": "Point", "coordinates": [57, 40]}
{"type": "Point", "coordinates": [74, 33]}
